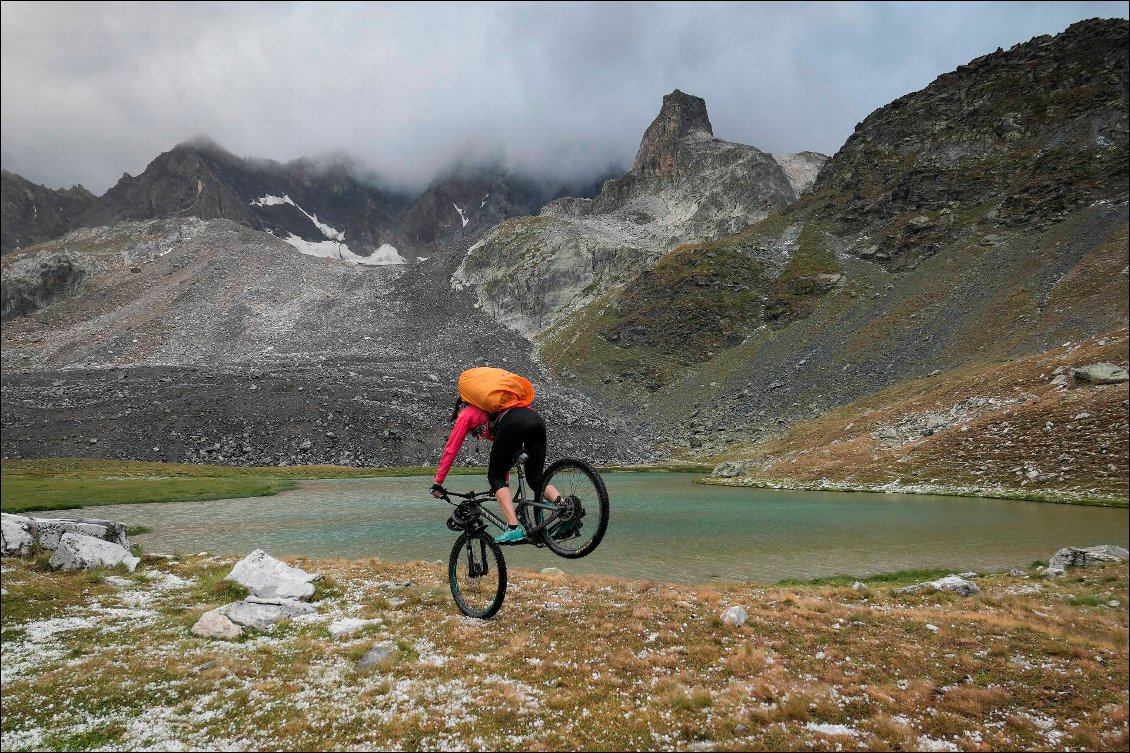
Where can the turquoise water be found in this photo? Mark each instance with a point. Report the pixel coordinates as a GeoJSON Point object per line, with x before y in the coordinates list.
{"type": "Point", "coordinates": [663, 526]}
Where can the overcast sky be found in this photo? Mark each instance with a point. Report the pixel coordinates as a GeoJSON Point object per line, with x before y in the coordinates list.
{"type": "Point", "coordinates": [92, 90]}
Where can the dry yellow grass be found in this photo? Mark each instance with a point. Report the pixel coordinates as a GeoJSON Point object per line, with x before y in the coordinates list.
{"type": "Point", "coordinates": [570, 663]}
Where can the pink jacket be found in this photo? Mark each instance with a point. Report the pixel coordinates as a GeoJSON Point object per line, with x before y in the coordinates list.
{"type": "Point", "coordinates": [469, 418]}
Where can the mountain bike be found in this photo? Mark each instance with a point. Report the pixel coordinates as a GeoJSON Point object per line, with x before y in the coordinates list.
{"type": "Point", "coordinates": [571, 527]}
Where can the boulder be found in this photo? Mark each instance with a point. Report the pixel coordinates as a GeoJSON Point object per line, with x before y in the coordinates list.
{"type": "Point", "coordinates": [214, 624]}
{"type": "Point", "coordinates": [79, 552]}
{"type": "Point", "coordinates": [1101, 373]}
{"type": "Point", "coordinates": [954, 583]}
{"type": "Point", "coordinates": [50, 530]}
{"type": "Point", "coordinates": [1071, 556]}
{"type": "Point", "coordinates": [263, 613]}
{"type": "Point", "coordinates": [735, 616]}
{"type": "Point", "coordinates": [268, 578]}
{"type": "Point", "coordinates": [729, 469]}
{"type": "Point", "coordinates": [17, 534]}
{"type": "Point", "coordinates": [115, 532]}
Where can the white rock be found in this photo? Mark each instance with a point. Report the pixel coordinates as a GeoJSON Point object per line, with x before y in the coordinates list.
{"type": "Point", "coordinates": [954, 583]}
{"type": "Point", "coordinates": [735, 616]}
{"type": "Point", "coordinates": [48, 531]}
{"type": "Point", "coordinates": [859, 586]}
{"type": "Point", "coordinates": [17, 534]}
{"type": "Point", "coordinates": [79, 552]}
{"type": "Point", "coordinates": [119, 581]}
{"type": "Point", "coordinates": [1071, 556]}
{"type": "Point", "coordinates": [552, 571]}
{"type": "Point", "coordinates": [214, 624]}
{"type": "Point", "coordinates": [1054, 572]}
{"type": "Point", "coordinates": [349, 626]}
{"type": "Point", "coordinates": [268, 578]}
{"type": "Point", "coordinates": [263, 613]}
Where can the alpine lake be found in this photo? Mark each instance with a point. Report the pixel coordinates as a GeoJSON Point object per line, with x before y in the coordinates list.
{"type": "Point", "coordinates": [663, 526]}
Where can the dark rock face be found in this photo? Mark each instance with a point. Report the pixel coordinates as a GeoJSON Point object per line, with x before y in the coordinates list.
{"type": "Point", "coordinates": [31, 284]}
{"type": "Point", "coordinates": [461, 205]}
{"type": "Point", "coordinates": [34, 213]}
{"type": "Point", "coordinates": [1014, 140]}
{"type": "Point", "coordinates": [681, 116]}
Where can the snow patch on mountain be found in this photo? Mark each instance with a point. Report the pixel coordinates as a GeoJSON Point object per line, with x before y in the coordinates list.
{"type": "Point", "coordinates": [328, 249]}
{"type": "Point", "coordinates": [461, 215]}
{"type": "Point", "coordinates": [334, 247]}
{"type": "Point", "coordinates": [331, 233]}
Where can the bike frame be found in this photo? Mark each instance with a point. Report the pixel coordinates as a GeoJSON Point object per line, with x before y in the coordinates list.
{"type": "Point", "coordinates": [520, 501]}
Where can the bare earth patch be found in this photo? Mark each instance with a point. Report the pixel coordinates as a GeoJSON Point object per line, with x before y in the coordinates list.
{"type": "Point", "coordinates": [569, 663]}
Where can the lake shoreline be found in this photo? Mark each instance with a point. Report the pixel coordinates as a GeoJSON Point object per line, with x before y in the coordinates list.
{"type": "Point", "coordinates": [940, 490]}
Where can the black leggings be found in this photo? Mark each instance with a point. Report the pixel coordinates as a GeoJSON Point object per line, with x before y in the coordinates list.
{"type": "Point", "coordinates": [519, 430]}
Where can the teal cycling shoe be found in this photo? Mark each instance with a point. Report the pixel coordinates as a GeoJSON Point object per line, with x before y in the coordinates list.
{"type": "Point", "coordinates": [512, 536]}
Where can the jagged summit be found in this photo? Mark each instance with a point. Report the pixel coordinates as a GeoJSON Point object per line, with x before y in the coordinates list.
{"type": "Point", "coordinates": [681, 116]}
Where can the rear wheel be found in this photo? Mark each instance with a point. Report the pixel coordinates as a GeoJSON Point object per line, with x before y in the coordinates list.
{"type": "Point", "coordinates": [578, 524]}
{"type": "Point", "coordinates": [476, 573]}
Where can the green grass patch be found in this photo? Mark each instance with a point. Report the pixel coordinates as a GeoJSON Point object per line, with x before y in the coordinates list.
{"type": "Point", "coordinates": [899, 577]}
{"type": "Point", "coordinates": [26, 495]}
{"type": "Point", "coordinates": [62, 483]}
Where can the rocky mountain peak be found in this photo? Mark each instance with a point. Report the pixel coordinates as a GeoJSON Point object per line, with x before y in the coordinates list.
{"type": "Point", "coordinates": [682, 116]}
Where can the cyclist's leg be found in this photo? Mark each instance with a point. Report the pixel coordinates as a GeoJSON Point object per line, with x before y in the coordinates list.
{"type": "Point", "coordinates": [503, 452]}
{"type": "Point", "coordinates": [534, 444]}
{"type": "Point", "coordinates": [533, 441]}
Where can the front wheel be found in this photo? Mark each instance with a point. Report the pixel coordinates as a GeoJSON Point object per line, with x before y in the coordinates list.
{"type": "Point", "coordinates": [578, 524]}
{"type": "Point", "coordinates": [476, 573]}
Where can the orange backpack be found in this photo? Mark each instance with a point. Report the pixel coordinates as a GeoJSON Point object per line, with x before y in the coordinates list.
{"type": "Point", "coordinates": [495, 390]}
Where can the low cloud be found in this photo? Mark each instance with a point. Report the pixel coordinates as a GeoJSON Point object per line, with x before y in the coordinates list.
{"type": "Point", "coordinates": [562, 90]}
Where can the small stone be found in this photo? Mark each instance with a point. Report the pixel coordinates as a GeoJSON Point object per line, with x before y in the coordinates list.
{"type": "Point", "coordinates": [349, 626]}
{"type": "Point", "coordinates": [859, 586]}
{"type": "Point", "coordinates": [216, 625]}
{"type": "Point", "coordinates": [1018, 573]}
{"type": "Point", "coordinates": [376, 655]}
{"type": "Point", "coordinates": [735, 616]}
{"type": "Point", "coordinates": [552, 571]}
{"type": "Point", "coordinates": [931, 628]}
{"type": "Point", "coordinates": [967, 575]}
{"type": "Point", "coordinates": [1114, 603]}
{"type": "Point", "coordinates": [395, 603]}
{"type": "Point", "coordinates": [119, 581]}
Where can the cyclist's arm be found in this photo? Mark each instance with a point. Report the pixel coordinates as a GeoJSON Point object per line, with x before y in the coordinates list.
{"type": "Point", "coordinates": [468, 419]}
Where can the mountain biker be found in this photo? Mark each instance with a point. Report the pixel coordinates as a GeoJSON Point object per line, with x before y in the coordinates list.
{"type": "Point", "coordinates": [512, 431]}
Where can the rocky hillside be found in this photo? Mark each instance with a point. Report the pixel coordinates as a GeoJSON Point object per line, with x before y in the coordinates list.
{"type": "Point", "coordinates": [208, 341]}
{"type": "Point", "coordinates": [979, 220]}
{"type": "Point", "coordinates": [32, 213]}
{"type": "Point", "coordinates": [1052, 425]}
{"type": "Point", "coordinates": [684, 185]}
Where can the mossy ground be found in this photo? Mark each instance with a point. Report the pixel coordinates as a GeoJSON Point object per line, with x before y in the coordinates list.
{"type": "Point", "coordinates": [570, 663]}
